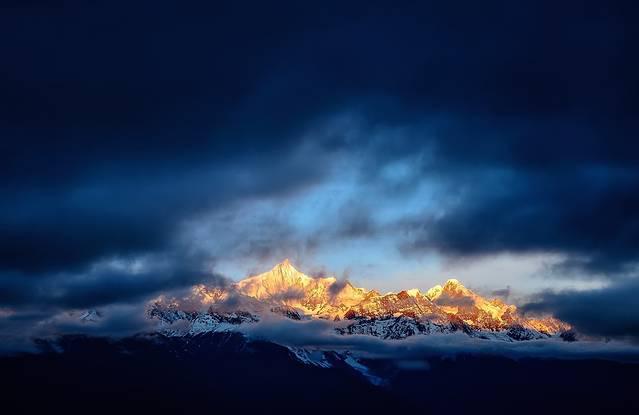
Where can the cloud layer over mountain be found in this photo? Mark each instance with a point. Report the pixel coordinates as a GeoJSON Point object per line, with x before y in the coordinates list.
{"type": "Point", "coordinates": [144, 144]}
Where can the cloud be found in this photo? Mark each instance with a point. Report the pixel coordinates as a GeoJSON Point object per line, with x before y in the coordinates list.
{"type": "Point", "coordinates": [107, 214]}
{"type": "Point", "coordinates": [335, 288]}
{"type": "Point", "coordinates": [291, 294]}
{"type": "Point", "coordinates": [22, 330]}
{"type": "Point", "coordinates": [609, 312]}
{"type": "Point", "coordinates": [319, 334]}
{"type": "Point", "coordinates": [355, 221]}
{"type": "Point", "coordinates": [503, 293]}
{"type": "Point", "coordinates": [448, 300]}
{"type": "Point", "coordinates": [583, 213]}
{"type": "Point", "coordinates": [121, 141]}
{"type": "Point", "coordinates": [119, 280]}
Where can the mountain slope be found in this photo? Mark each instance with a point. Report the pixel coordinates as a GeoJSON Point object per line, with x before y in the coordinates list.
{"type": "Point", "coordinates": [287, 292]}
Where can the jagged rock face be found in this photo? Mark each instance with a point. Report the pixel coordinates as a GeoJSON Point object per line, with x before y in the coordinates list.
{"type": "Point", "coordinates": [286, 285]}
{"type": "Point", "coordinates": [196, 322]}
{"type": "Point", "coordinates": [388, 305]}
{"type": "Point", "coordinates": [519, 332]}
{"type": "Point", "coordinates": [288, 292]}
{"type": "Point", "coordinates": [283, 283]}
{"type": "Point", "coordinates": [288, 312]}
{"type": "Point", "coordinates": [397, 327]}
{"type": "Point", "coordinates": [454, 298]}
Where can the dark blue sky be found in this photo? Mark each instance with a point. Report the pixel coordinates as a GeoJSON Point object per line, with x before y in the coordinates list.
{"type": "Point", "coordinates": [145, 147]}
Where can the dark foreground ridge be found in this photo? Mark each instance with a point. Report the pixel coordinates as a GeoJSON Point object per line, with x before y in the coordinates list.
{"type": "Point", "coordinates": [225, 372]}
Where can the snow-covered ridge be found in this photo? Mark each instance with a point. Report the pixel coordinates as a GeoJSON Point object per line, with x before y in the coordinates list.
{"type": "Point", "coordinates": [286, 292]}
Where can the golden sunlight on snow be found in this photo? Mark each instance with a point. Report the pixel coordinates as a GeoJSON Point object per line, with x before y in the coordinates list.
{"type": "Point", "coordinates": [284, 288]}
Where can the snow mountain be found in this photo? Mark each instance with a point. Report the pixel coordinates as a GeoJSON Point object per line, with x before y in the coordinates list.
{"type": "Point", "coordinates": [288, 293]}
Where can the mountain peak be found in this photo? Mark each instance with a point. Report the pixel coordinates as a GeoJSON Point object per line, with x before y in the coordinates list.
{"type": "Point", "coordinates": [286, 288]}
{"type": "Point", "coordinates": [413, 292]}
{"type": "Point", "coordinates": [454, 285]}
{"type": "Point", "coordinates": [286, 262]}
{"type": "Point", "coordinates": [453, 282]}
{"type": "Point", "coordinates": [282, 280]}
{"type": "Point", "coordinates": [285, 267]}
{"type": "Point", "coordinates": [454, 288]}
{"type": "Point", "coordinates": [451, 287]}
{"type": "Point", "coordinates": [434, 292]}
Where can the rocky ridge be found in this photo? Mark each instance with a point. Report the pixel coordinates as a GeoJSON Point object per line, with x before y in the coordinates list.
{"type": "Point", "coordinates": [286, 292]}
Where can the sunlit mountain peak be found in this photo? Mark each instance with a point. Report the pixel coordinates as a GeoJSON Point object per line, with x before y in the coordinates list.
{"type": "Point", "coordinates": [286, 263]}
{"type": "Point", "coordinates": [434, 292]}
{"type": "Point", "coordinates": [414, 292]}
{"type": "Point", "coordinates": [451, 307]}
{"type": "Point", "coordinates": [453, 283]}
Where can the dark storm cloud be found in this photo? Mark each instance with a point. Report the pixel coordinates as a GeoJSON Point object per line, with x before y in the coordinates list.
{"type": "Point", "coordinates": [116, 281]}
{"type": "Point", "coordinates": [588, 212]}
{"type": "Point", "coordinates": [120, 124]}
{"type": "Point", "coordinates": [114, 133]}
{"type": "Point", "coordinates": [19, 330]}
{"type": "Point", "coordinates": [355, 221]}
{"type": "Point", "coordinates": [607, 312]}
{"type": "Point", "coordinates": [116, 213]}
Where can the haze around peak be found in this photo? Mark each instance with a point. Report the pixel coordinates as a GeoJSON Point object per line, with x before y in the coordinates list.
{"type": "Point", "coordinates": [326, 298]}
{"type": "Point", "coordinates": [384, 144]}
